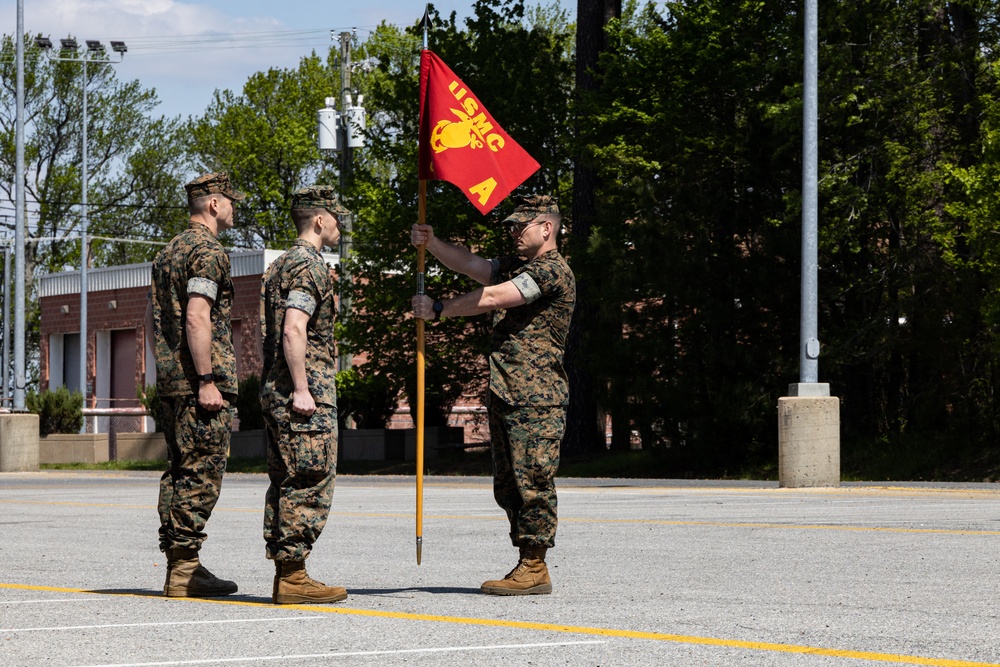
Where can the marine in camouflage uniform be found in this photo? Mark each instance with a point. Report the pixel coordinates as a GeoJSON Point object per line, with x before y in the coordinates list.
{"type": "Point", "coordinates": [531, 295]}
{"type": "Point", "coordinates": [299, 397]}
{"type": "Point", "coordinates": [190, 303]}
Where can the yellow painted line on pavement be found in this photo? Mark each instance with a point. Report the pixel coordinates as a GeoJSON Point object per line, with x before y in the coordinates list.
{"type": "Point", "coordinates": [893, 658]}
{"type": "Point", "coordinates": [794, 526]}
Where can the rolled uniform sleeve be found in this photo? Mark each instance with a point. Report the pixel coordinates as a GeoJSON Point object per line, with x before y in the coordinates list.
{"type": "Point", "coordinates": [527, 286]}
{"type": "Point", "coordinates": [301, 301]}
{"type": "Point", "coordinates": [204, 287]}
{"type": "Point", "coordinates": [209, 269]}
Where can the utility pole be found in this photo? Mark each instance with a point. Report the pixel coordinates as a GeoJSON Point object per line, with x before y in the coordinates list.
{"type": "Point", "coordinates": [345, 361]}
{"type": "Point", "coordinates": [343, 131]}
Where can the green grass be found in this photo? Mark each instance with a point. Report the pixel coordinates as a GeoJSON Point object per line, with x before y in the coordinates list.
{"type": "Point", "coordinates": [924, 458]}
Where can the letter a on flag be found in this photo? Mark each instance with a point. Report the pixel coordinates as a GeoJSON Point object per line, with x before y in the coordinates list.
{"type": "Point", "coordinates": [461, 143]}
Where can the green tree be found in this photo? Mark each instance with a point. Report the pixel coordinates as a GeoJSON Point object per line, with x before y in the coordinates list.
{"type": "Point", "coordinates": [516, 67]}
{"type": "Point", "coordinates": [696, 132]}
{"type": "Point", "coordinates": [265, 138]}
{"type": "Point", "coordinates": [908, 270]}
{"type": "Point", "coordinates": [135, 166]}
{"type": "Point", "coordinates": [691, 229]}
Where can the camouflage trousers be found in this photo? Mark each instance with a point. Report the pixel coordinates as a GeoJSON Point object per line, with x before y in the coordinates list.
{"type": "Point", "coordinates": [525, 445]}
{"type": "Point", "coordinates": [197, 448]}
{"type": "Point", "coordinates": [302, 467]}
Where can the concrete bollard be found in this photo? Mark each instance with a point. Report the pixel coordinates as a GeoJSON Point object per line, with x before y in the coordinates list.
{"type": "Point", "coordinates": [18, 442]}
{"type": "Point", "coordinates": [808, 441]}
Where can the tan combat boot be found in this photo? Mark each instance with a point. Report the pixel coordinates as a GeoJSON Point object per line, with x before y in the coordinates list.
{"type": "Point", "coordinates": [293, 586]}
{"type": "Point", "coordinates": [188, 578]}
{"type": "Point", "coordinates": [530, 577]}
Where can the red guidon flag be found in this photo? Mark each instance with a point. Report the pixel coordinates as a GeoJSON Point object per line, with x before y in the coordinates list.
{"type": "Point", "coordinates": [461, 143]}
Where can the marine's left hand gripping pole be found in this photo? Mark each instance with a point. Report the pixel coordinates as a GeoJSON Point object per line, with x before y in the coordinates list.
{"type": "Point", "coordinates": [421, 252]}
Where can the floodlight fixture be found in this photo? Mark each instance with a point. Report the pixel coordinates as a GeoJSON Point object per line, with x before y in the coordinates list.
{"type": "Point", "coordinates": [94, 45]}
{"type": "Point", "coordinates": [69, 44]}
{"type": "Point", "coordinates": [118, 47]}
{"type": "Point", "coordinates": [43, 43]}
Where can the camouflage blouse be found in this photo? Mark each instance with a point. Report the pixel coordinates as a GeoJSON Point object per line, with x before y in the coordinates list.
{"type": "Point", "coordinates": [194, 262]}
{"type": "Point", "coordinates": [529, 341]}
{"type": "Point", "coordinates": [298, 279]}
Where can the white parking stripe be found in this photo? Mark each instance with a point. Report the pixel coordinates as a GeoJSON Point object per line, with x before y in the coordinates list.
{"type": "Point", "coordinates": [3, 602]}
{"type": "Point", "coordinates": [348, 654]}
{"type": "Point", "coordinates": [57, 628]}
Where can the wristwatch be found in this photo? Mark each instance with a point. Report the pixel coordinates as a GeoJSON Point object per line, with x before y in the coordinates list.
{"type": "Point", "coordinates": [438, 307]}
{"type": "Point", "coordinates": [207, 377]}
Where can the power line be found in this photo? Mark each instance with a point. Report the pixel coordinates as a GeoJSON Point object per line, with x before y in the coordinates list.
{"type": "Point", "coordinates": [152, 45]}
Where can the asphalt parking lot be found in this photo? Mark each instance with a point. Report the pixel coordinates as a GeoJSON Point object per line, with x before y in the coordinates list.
{"type": "Point", "coordinates": [658, 572]}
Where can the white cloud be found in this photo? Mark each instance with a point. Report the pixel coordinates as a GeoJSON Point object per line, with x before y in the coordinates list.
{"type": "Point", "coordinates": [182, 49]}
{"type": "Point", "coordinates": [187, 49]}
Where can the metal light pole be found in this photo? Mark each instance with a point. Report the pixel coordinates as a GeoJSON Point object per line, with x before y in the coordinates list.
{"type": "Point", "coordinates": [6, 323]}
{"type": "Point", "coordinates": [19, 431]}
{"type": "Point", "coordinates": [809, 418]}
{"type": "Point", "coordinates": [93, 47]}
{"type": "Point", "coordinates": [809, 325]}
{"type": "Point", "coordinates": [20, 323]}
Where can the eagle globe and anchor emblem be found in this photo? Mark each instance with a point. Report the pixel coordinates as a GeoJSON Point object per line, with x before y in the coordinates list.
{"type": "Point", "coordinates": [466, 132]}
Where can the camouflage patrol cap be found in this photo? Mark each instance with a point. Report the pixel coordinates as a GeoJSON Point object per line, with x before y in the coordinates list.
{"type": "Point", "coordinates": [318, 196]}
{"type": "Point", "coordinates": [210, 184]}
{"type": "Point", "coordinates": [530, 207]}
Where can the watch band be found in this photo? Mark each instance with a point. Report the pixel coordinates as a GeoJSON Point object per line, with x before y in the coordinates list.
{"type": "Point", "coordinates": [207, 377]}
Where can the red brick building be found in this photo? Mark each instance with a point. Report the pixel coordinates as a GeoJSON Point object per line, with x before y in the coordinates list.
{"type": "Point", "coordinates": [118, 361]}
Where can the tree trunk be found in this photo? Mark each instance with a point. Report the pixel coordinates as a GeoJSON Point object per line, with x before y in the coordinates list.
{"type": "Point", "coordinates": [584, 423]}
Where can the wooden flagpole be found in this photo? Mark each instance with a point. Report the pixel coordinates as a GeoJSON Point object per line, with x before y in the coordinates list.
{"type": "Point", "coordinates": [421, 253]}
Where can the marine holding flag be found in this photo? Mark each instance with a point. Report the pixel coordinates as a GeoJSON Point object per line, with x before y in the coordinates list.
{"type": "Point", "coordinates": [531, 294]}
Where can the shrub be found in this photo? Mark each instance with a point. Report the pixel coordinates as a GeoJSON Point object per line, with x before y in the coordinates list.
{"type": "Point", "coordinates": [147, 396]}
{"type": "Point", "coordinates": [59, 411]}
{"type": "Point", "coordinates": [248, 404]}
{"type": "Point", "coordinates": [369, 399]}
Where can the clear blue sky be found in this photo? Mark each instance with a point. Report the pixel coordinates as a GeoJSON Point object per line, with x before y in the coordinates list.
{"type": "Point", "coordinates": [186, 49]}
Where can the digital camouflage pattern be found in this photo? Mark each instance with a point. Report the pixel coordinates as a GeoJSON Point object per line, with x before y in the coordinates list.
{"type": "Point", "coordinates": [529, 392]}
{"type": "Point", "coordinates": [210, 184]}
{"type": "Point", "coordinates": [302, 468]}
{"type": "Point", "coordinates": [197, 448]}
{"type": "Point", "coordinates": [529, 342]}
{"type": "Point", "coordinates": [302, 274]}
{"type": "Point", "coordinates": [319, 196]}
{"type": "Point", "coordinates": [525, 445]}
{"type": "Point", "coordinates": [530, 207]}
{"type": "Point", "coordinates": [302, 451]}
{"type": "Point", "coordinates": [194, 254]}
